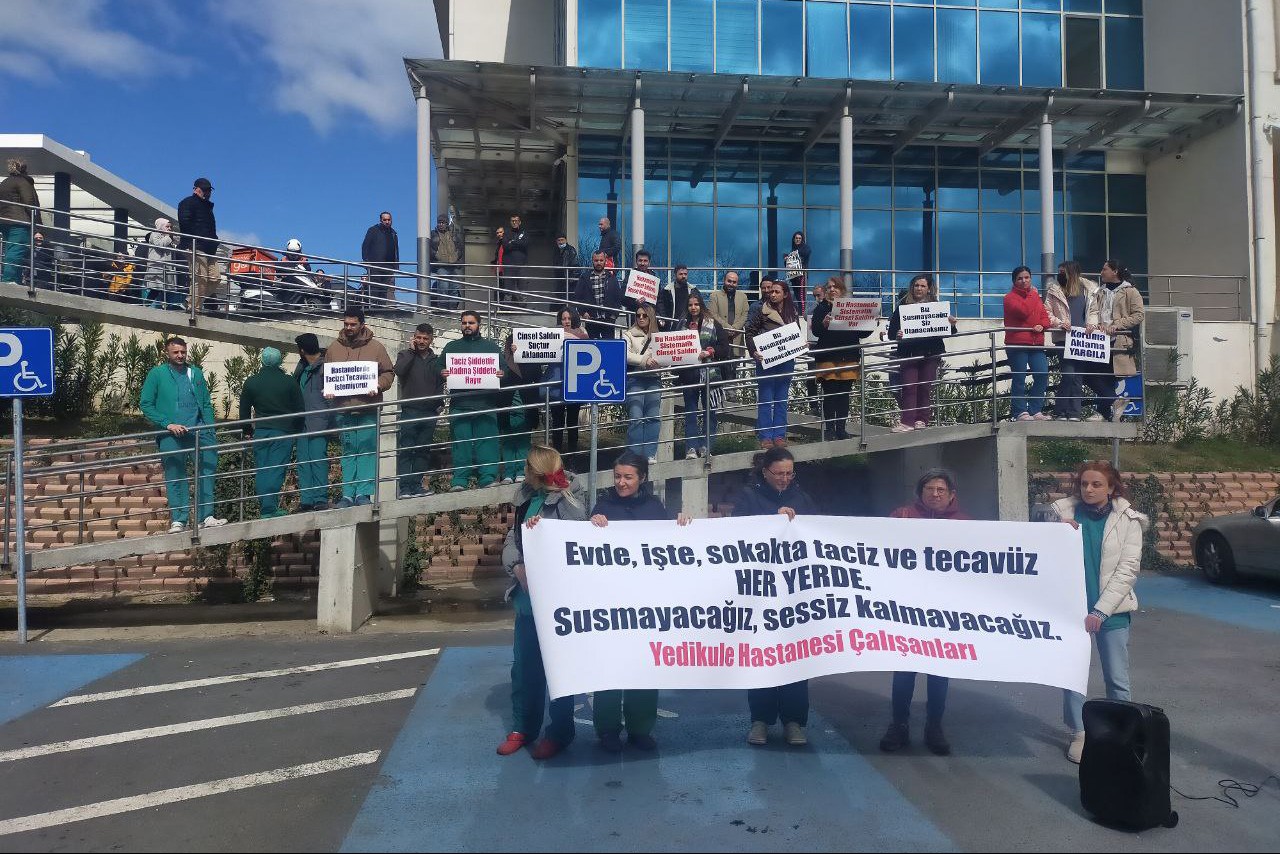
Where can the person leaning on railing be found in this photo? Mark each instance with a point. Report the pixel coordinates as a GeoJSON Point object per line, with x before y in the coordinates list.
{"type": "Point", "coordinates": [200, 230]}
{"type": "Point", "coordinates": [17, 197]}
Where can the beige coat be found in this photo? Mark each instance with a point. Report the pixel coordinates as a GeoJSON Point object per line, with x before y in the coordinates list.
{"type": "Point", "coordinates": [1126, 316]}
{"type": "Point", "coordinates": [1055, 300]}
{"type": "Point", "coordinates": [1121, 554]}
{"type": "Point", "coordinates": [362, 349]}
{"type": "Point", "coordinates": [718, 308]}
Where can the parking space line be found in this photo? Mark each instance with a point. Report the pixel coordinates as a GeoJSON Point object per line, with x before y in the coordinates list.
{"type": "Point", "coordinates": [184, 793]}
{"type": "Point", "coordinates": [238, 677]}
{"type": "Point", "coordinates": [195, 726]}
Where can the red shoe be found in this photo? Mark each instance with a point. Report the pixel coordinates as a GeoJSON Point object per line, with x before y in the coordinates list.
{"type": "Point", "coordinates": [515, 741]}
{"type": "Point", "coordinates": [779, 443]}
{"type": "Point", "coordinates": [546, 748]}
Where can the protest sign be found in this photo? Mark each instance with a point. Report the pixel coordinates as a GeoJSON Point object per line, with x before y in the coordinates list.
{"type": "Point", "coordinates": [676, 348]}
{"type": "Point", "coordinates": [1088, 346]}
{"type": "Point", "coordinates": [857, 315]}
{"type": "Point", "coordinates": [780, 345]}
{"type": "Point", "coordinates": [925, 319]}
{"type": "Point", "coordinates": [760, 601]}
{"type": "Point", "coordinates": [471, 371]}
{"type": "Point", "coordinates": [538, 346]}
{"type": "Point", "coordinates": [344, 379]}
{"type": "Point", "coordinates": [642, 287]}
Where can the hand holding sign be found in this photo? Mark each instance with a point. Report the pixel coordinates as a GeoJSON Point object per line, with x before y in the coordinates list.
{"type": "Point", "coordinates": [348, 379]}
{"type": "Point", "coordinates": [925, 319]}
{"type": "Point", "coordinates": [642, 287]}
{"type": "Point", "coordinates": [857, 315]}
{"type": "Point", "coordinates": [676, 348]}
{"type": "Point", "coordinates": [537, 346]}
{"type": "Point", "coordinates": [472, 371]}
{"type": "Point", "coordinates": [780, 345]}
{"type": "Point", "coordinates": [1085, 346]}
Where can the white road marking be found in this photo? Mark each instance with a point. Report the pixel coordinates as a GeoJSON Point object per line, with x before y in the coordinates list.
{"type": "Point", "coordinates": [195, 726]}
{"type": "Point", "coordinates": [238, 677]}
{"type": "Point", "coordinates": [183, 793]}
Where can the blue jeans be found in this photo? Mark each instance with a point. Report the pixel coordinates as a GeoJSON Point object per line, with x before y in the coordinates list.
{"type": "Point", "coordinates": [1113, 652]}
{"type": "Point", "coordinates": [773, 386]}
{"type": "Point", "coordinates": [1021, 360]}
{"type": "Point", "coordinates": [17, 247]}
{"type": "Point", "coordinates": [644, 404]}
{"type": "Point", "coordinates": [177, 481]}
{"type": "Point", "coordinates": [445, 294]}
{"type": "Point", "coordinates": [699, 419]}
{"type": "Point", "coordinates": [904, 688]}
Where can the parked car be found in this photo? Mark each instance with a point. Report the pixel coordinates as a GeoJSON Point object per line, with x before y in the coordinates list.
{"type": "Point", "coordinates": [1239, 544]}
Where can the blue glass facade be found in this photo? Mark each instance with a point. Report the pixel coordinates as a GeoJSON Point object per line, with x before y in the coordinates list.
{"type": "Point", "coordinates": [1041, 43]}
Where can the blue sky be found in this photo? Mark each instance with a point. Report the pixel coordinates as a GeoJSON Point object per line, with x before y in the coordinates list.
{"type": "Point", "coordinates": [298, 111]}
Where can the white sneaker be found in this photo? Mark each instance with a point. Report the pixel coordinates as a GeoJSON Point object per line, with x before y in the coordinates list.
{"type": "Point", "coordinates": [1075, 749]}
{"type": "Point", "coordinates": [1025, 416]}
{"type": "Point", "coordinates": [901, 428]}
{"type": "Point", "coordinates": [920, 425]}
{"type": "Point", "coordinates": [177, 527]}
{"type": "Point", "coordinates": [691, 454]}
{"type": "Point", "coordinates": [1097, 416]}
{"type": "Point", "coordinates": [652, 460]}
{"type": "Point", "coordinates": [212, 522]}
{"type": "Point", "coordinates": [519, 478]}
{"type": "Point", "coordinates": [506, 481]}
{"type": "Point", "coordinates": [1040, 416]}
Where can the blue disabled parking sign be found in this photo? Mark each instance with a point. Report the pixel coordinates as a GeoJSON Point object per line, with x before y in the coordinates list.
{"type": "Point", "coordinates": [594, 371]}
{"type": "Point", "coordinates": [26, 362]}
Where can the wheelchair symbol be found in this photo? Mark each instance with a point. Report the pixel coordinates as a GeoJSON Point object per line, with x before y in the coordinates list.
{"type": "Point", "coordinates": [602, 388]}
{"type": "Point", "coordinates": [26, 381]}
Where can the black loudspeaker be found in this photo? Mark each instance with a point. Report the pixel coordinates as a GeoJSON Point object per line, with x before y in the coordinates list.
{"type": "Point", "coordinates": [1124, 770]}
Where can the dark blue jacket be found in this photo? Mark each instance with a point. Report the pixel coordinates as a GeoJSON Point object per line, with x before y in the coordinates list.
{"type": "Point", "coordinates": [195, 217]}
{"type": "Point", "coordinates": [761, 499]}
{"type": "Point", "coordinates": [642, 506]}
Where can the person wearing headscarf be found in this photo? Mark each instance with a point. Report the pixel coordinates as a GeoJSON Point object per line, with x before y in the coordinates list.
{"type": "Point", "coordinates": [270, 403]}
{"type": "Point", "coordinates": [162, 276]}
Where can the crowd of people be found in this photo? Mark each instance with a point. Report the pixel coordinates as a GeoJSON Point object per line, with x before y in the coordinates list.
{"type": "Point", "coordinates": [1112, 532]}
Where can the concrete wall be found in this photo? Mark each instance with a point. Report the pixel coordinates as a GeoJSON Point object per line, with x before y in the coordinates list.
{"type": "Point", "coordinates": [1222, 356]}
{"type": "Point", "coordinates": [1194, 46]}
{"type": "Point", "coordinates": [515, 31]}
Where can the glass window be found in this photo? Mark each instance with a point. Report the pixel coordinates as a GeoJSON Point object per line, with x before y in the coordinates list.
{"type": "Point", "coordinates": [1001, 241]}
{"type": "Point", "coordinates": [736, 40]}
{"type": "Point", "coordinates": [870, 31]}
{"type": "Point", "coordinates": [1031, 190]}
{"type": "Point", "coordinates": [969, 3]}
{"type": "Point", "coordinates": [682, 188]}
{"type": "Point", "coordinates": [913, 233]}
{"type": "Point", "coordinates": [912, 43]}
{"type": "Point", "coordinates": [1094, 6]}
{"type": "Point", "coordinates": [600, 33]}
{"type": "Point", "coordinates": [1129, 241]}
{"type": "Point", "coordinates": [822, 232]}
{"type": "Point", "coordinates": [737, 237]}
{"type": "Point", "coordinates": [1001, 191]}
{"type": "Point", "coordinates": [822, 185]}
{"type": "Point", "coordinates": [594, 189]}
{"type": "Point", "coordinates": [951, 156]}
{"type": "Point", "coordinates": [785, 183]}
{"type": "Point", "coordinates": [782, 28]}
{"type": "Point", "coordinates": [692, 50]}
{"type": "Point", "coordinates": [873, 240]}
{"type": "Point", "coordinates": [1088, 161]}
{"type": "Point", "coordinates": [1084, 52]}
{"type": "Point", "coordinates": [1127, 194]}
{"type": "Point", "coordinates": [1124, 7]}
{"type": "Point", "coordinates": [1086, 193]}
{"type": "Point", "coordinates": [655, 234]}
{"type": "Point", "coordinates": [872, 187]}
{"type": "Point", "coordinates": [691, 238]}
{"type": "Point", "coordinates": [999, 47]}
{"type": "Point", "coordinates": [827, 36]}
{"type": "Point", "coordinates": [1000, 4]}
{"type": "Point", "coordinates": [957, 46]}
{"type": "Point", "coordinates": [958, 243]}
{"type": "Point", "coordinates": [1124, 53]}
{"type": "Point", "coordinates": [1088, 241]}
{"type": "Point", "coordinates": [1041, 50]}
{"type": "Point", "coordinates": [913, 188]}
{"type": "Point", "coordinates": [646, 35]}
{"type": "Point", "coordinates": [737, 183]}
{"type": "Point", "coordinates": [1043, 5]}
{"type": "Point", "coordinates": [958, 189]}
{"type": "Point", "coordinates": [1004, 158]}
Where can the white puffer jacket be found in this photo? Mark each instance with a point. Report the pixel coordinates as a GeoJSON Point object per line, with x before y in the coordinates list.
{"type": "Point", "coordinates": [1121, 553]}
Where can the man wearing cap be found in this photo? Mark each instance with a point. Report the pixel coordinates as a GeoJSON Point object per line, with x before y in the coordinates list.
{"type": "Point", "coordinates": [198, 227]}
{"type": "Point", "coordinates": [313, 444]}
{"type": "Point", "coordinates": [355, 343]}
{"type": "Point", "coordinates": [448, 254]}
{"type": "Point", "coordinates": [270, 402]}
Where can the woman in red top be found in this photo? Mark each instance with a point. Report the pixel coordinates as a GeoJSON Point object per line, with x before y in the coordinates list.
{"type": "Point", "coordinates": [1025, 320]}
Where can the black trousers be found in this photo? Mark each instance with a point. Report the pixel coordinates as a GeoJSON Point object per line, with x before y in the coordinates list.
{"type": "Point", "coordinates": [790, 703]}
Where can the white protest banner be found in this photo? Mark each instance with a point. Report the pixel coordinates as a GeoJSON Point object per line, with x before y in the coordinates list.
{"type": "Point", "coordinates": [537, 346]}
{"type": "Point", "coordinates": [471, 371]}
{"type": "Point", "coordinates": [642, 287]}
{"type": "Point", "coordinates": [1088, 346]}
{"type": "Point", "coordinates": [760, 601]}
{"type": "Point", "coordinates": [676, 348]}
{"type": "Point", "coordinates": [858, 315]}
{"type": "Point", "coordinates": [925, 319]}
{"type": "Point", "coordinates": [780, 345]}
{"type": "Point", "coordinates": [344, 379]}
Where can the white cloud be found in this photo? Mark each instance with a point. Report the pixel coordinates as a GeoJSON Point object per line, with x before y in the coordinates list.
{"type": "Point", "coordinates": [339, 58]}
{"type": "Point", "coordinates": [240, 238]}
{"type": "Point", "coordinates": [41, 37]}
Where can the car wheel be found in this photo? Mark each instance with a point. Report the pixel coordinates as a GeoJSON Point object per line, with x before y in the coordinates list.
{"type": "Point", "coordinates": [1215, 558]}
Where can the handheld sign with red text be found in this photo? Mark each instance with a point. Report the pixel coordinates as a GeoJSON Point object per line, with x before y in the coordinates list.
{"type": "Point", "coordinates": [472, 371]}
{"type": "Point", "coordinates": [344, 379]}
{"type": "Point", "coordinates": [676, 348]}
{"type": "Point", "coordinates": [1088, 346]}
{"type": "Point", "coordinates": [780, 345]}
{"type": "Point", "coordinates": [856, 315]}
{"type": "Point", "coordinates": [925, 319]}
{"type": "Point", "coordinates": [537, 346]}
{"type": "Point", "coordinates": [642, 287]}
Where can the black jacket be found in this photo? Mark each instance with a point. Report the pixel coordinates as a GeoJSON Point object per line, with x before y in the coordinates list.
{"type": "Point", "coordinates": [611, 300]}
{"type": "Point", "coordinates": [643, 506]}
{"type": "Point", "coordinates": [835, 345]}
{"type": "Point", "coordinates": [195, 217]}
{"type": "Point", "coordinates": [511, 382]}
{"type": "Point", "coordinates": [381, 245]}
{"type": "Point", "coordinates": [761, 499]}
{"type": "Point", "coordinates": [673, 303]}
{"type": "Point", "coordinates": [915, 348]}
{"type": "Point", "coordinates": [420, 377]}
{"type": "Point", "coordinates": [516, 248]}
{"type": "Point", "coordinates": [611, 246]}
{"type": "Point", "coordinates": [567, 259]}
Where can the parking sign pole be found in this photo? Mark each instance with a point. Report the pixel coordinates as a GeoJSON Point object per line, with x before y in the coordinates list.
{"type": "Point", "coordinates": [595, 447]}
{"type": "Point", "coordinates": [20, 522]}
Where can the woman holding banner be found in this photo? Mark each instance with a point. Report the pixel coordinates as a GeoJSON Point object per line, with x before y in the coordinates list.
{"type": "Point", "coordinates": [1025, 320]}
{"type": "Point", "coordinates": [918, 359]}
{"type": "Point", "coordinates": [699, 414]}
{"type": "Point", "coordinates": [775, 491]}
{"type": "Point", "coordinates": [773, 385]}
{"type": "Point", "coordinates": [630, 500]}
{"type": "Point", "coordinates": [1070, 300]}
{"type": "Point", "coordinates": [564, 416]}
{"type": "Point", "coordinates": [547, 492]}
{"type": "Point", "coordinates": [644, 390]}
{"type": "Point", "coordinates": [838, 363]}
{"type": "Point", "coordinates": [1112, 532]}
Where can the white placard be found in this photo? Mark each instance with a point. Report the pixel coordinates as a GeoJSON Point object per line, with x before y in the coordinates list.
{"type": "Point", "coordinates": [1088, 346]}
{"type": "Point", "coordinates": [472, 371]}
{"type": "Point", "coordinates": [924, 319]}
{"type": "Point", "coordinates": [759, 601]}
{"type": "Point", "coordinates": [642, 287]}
{"type": "Point", "coordinates": [780, 345]}
{"type": "Point", "coordinates": [676, 348]}
{"type": "Point", "coordinates": [344, 379]}
{"type": "Point", "coordinates": [538, 346]}
{"type": "Point", "coordinates": [857, 315]}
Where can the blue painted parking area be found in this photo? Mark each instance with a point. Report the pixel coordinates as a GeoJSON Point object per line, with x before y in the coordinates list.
{"type": "Point", "coordinates": [32, 681]}
{"type": "Point", "coordinates": [1257, 609]}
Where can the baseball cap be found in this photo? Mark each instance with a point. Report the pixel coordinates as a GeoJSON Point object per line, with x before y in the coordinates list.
{"type": "Point", "coordinates": [203, 183]}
